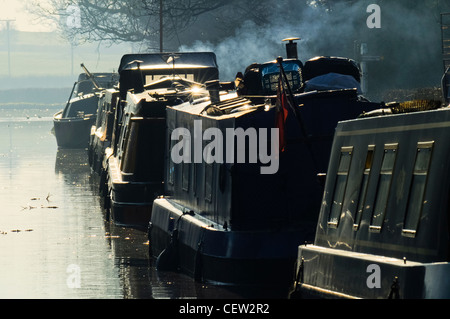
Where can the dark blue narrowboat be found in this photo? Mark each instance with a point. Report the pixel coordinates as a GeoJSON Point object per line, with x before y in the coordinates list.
{"type": "Point", "coordinates": [134, 163]}
{"type": "Point", "coordinates": [383, 228]}
{"type": "Point", "coordinates": [239, 197]}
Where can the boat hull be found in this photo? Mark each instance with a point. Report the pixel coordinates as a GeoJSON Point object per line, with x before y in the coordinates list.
{"type": "Point", "coordinates": [136, 215]}
{"type": "Point", "coordinates": [73, 132]}
{"type": "Point", "coordinates": [213, 254]}
{"type": "Point", "coordinates": [325, 273]}
{"type": "Point", "coordinates": [130, 203]}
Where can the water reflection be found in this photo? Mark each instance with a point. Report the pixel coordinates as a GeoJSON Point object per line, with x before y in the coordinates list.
{"type": "Point", "coordinates": [136, 273]}
{"type": "Point", "coordinates": [54, 239]}
{"type": "Point", "coordinates": [45, 223]}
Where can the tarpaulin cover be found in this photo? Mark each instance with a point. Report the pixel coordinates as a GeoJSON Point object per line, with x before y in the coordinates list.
{"type": "Point", "coordinates": [332, 81]}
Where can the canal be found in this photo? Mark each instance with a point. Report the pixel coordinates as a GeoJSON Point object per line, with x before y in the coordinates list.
{"type": "Point", "coordinates": [54, 240]}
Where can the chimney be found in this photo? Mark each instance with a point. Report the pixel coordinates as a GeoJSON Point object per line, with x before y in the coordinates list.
{"type": "Point", "coordinates": [213, 87]}
{"type": "Point", "coordinates": [291, 48]}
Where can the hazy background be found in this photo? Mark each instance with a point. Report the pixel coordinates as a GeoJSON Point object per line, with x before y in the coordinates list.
{"type": "Point", "coordinates": [409, 43]}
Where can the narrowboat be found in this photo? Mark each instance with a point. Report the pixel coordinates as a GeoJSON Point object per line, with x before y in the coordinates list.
{"type": "Point", "coordinates": [383, 228]}
{"type": "Point", "coordinates": [134, 163]}
{"type": "Point", "coordinates": [72, 125]}
{"type": "Point", "coordinates": [241, 192]}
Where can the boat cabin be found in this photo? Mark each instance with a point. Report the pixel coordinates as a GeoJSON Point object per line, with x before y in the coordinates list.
{"type": "Point", "coordinates": [139, 70]}
{"type": "Point", "coordinates": [237, 194]}
{"type": "Point", "coordinates": [233, 198]}
{"type": "Point", "coordinates": [383, 229]}
{"type": "Point", "coordinates": [135, 160]}
{"type": "Point", "coordinates": [72, 125]}
{"type": "Point", "coordinates": [320, 73]}
{"type": "Point", "coordinates": [82, 99]}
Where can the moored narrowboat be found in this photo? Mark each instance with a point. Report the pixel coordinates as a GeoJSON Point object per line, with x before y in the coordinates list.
{"type": "Point", "coordinates": [383, 229]}
{"type": "Point", "coordinates": [235, 220]}
{"type": "Point", "coordinates": [72, 125]}
{"type": "Point", "coordinates": [134, 164]}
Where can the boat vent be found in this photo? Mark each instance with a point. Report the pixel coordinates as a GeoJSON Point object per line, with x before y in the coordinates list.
{"type": "Point", "coordinates": [414, 106]}
{"type": "Point", "coordinates": [404, 107]}
{"type": "Point", "coordinates": [229, 106]}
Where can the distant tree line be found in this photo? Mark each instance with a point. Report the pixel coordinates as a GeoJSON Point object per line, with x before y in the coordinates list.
{"type": "Point", "coordinates": [139, 20]}
{"type": "Point", "coordinates": [408, 41]}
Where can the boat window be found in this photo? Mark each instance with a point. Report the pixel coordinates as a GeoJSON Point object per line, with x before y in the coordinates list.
{"type": "Point", "coordinates": [171, 168]}
{"type": "Point", "coordinates": [123, 133]}
{"type": "Point", "coordinates": [84, 87]}
{"type": "Point", "coordinates": [208, 181]}
{"type": "Point", "coordinates": [271, 72]}
{"type": "Point", "coordinates": [208, 175]}
{"type": "Point", "coordinates": [194, 178]}
{"type": "Point", "coordinates": [417, 188]}
{"type": "Point", "coordinates": [384, 185]}
{"type": "Point", "coordinates": [340, 185]}
{"type": "Point", "coordinates": [363, 189]}
{"type": "Point", "coordinates": [186, 175]}
{"type": "Point", "coordinates": [151, 78]}
{"type": "Point", "coordinates": [128, 163]}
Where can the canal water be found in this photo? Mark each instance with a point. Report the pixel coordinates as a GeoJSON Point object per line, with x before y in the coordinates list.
{"type": "Point", "coordinates": [54, 240]}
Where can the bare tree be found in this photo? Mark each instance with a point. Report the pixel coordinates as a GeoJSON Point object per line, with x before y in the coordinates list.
{"type": "Point", "coordinates": [124, 20]}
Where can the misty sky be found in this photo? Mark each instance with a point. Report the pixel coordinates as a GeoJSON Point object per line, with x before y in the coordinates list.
{"type": "Point", "coordinates": [24, 21]}
{"type": "Point", "coordinates": [408, 40]}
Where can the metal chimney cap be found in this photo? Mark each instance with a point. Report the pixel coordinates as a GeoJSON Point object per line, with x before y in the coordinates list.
{"type": "Point", "coordinates": [290, 39]}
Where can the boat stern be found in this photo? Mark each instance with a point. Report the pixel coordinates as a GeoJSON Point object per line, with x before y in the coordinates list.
{"type": "Point", "coordinates": [182, 239]}
{"type": "Point", "coordinates": [337, 274]}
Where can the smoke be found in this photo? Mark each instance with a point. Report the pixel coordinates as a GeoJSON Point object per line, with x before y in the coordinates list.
{"type": "Point", "coordinates": [252, 43]}
{"type": "Point", "coordinates": [408, 40]}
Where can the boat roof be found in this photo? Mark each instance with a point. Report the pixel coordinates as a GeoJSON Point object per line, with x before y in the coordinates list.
{"type": "Point", "coordinates": [103, 76]}
{"type": "Point", "coordinates": [230, 106]}
{"type": "Point", "coordinates": [168, 60]}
